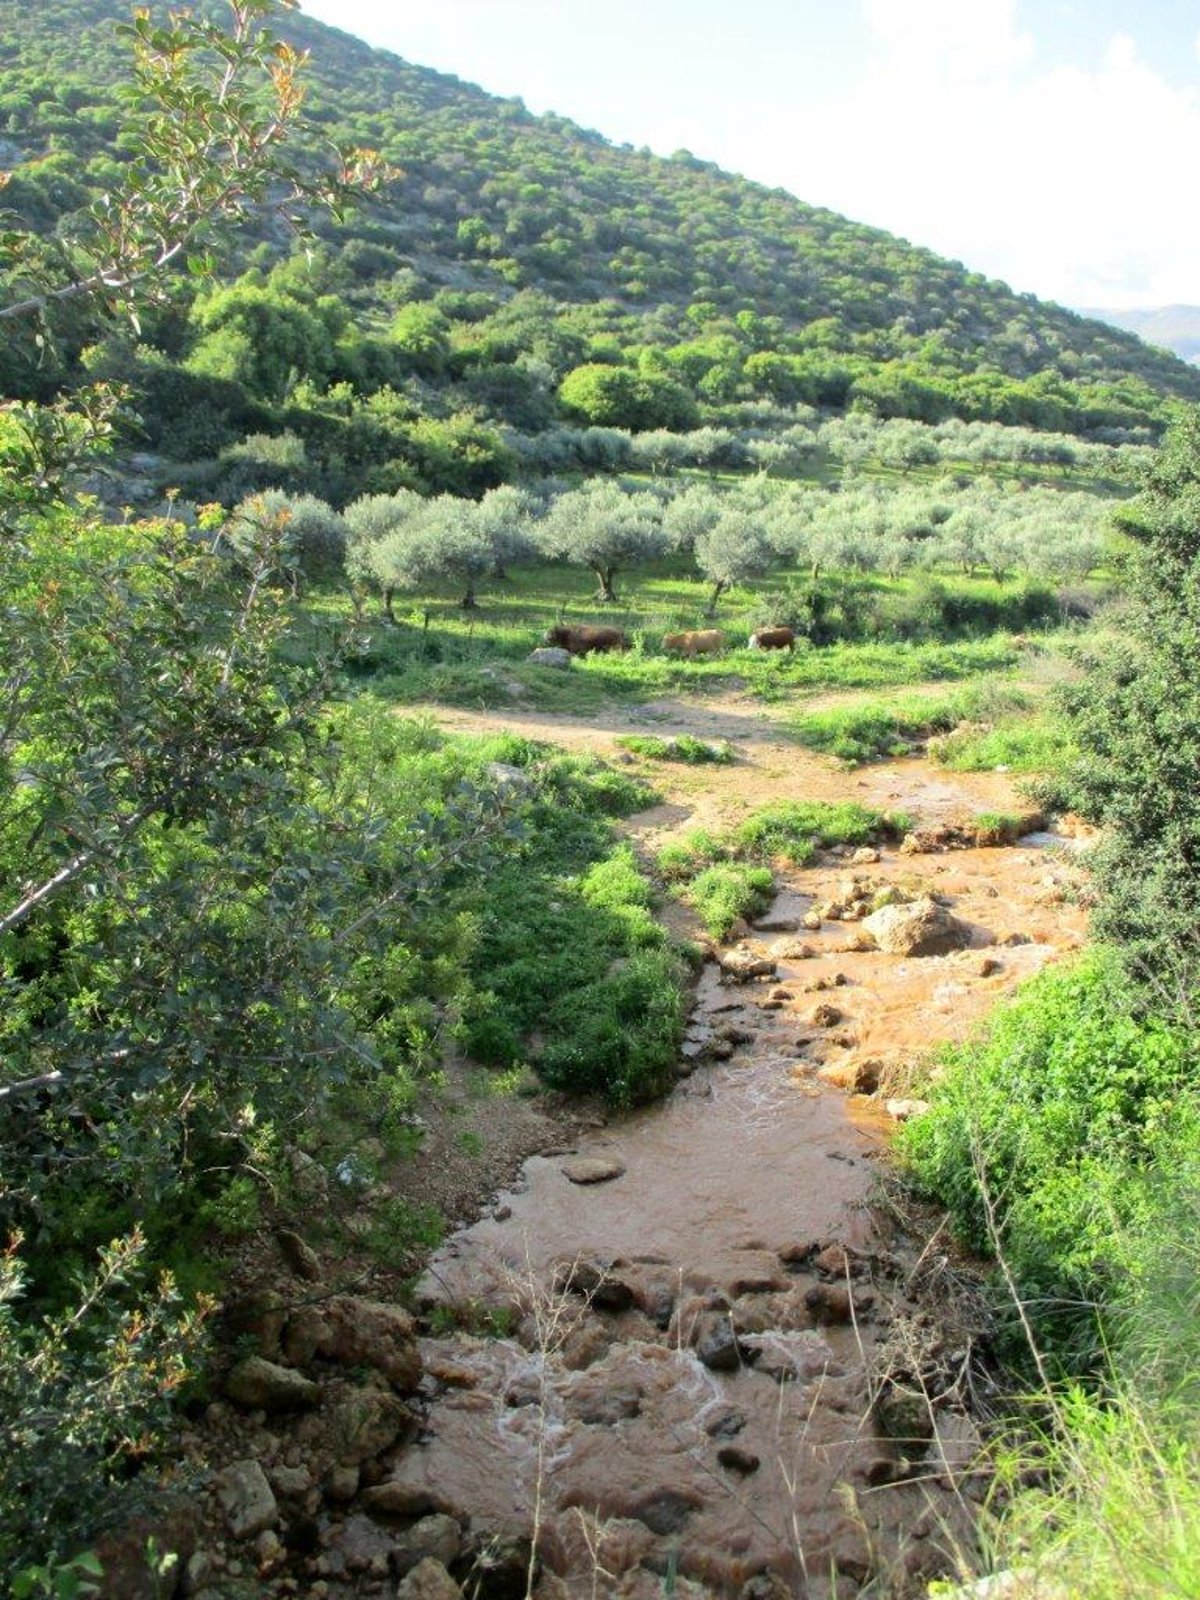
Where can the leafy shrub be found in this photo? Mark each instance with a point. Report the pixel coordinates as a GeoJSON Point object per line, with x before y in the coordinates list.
{"type": "Point", "coordinates": [84, 1396]}
{"type": "Point", "coordinates": [1047, 1118]}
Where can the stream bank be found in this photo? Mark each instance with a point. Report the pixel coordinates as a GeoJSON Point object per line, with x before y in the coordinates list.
{"type": "Point", "coordinates": [682, 1350]}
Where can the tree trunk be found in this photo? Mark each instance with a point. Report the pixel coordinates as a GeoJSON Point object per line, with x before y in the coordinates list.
{"type": "Point", "coordinates": [388, 592]}
{"type": "Point", "coordinates": [606, 594]}
{"type": "Point", "coordinates": [719, 588]}
{"type": "Point", "coordinates": [468, 601]}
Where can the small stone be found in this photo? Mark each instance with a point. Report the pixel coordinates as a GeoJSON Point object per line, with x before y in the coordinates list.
{"type": "Point", "coordinates": [592, 1169]}
{"type": "Point", "coordinates": [437, 1538]}
{"type": "Point", "coordinates": [298, 1256]}
{"type": "Point", "coordinates": [825, 1015]}
{"type": "Point", "coordinates": [371, 1333]}
{"type": "Point", "coordinates": [988, 966]}
{"type": "Point", "coordinates": [290, 1483]}
{"type": "Point", "coordinates": [901, 1110]}
{"type": "Point", "coordinates": [596, 1282]}
{"type": "Point", "coordinates": [368, 1421]}
{"type": "Point", "coordinates": [736, 1459]}
{"type": "Point", "coordinates": [717, 1345]}
{"type": "Point", "coordinates": [268, 1548]}
{"type": "Point", "coordinates": [401, 1499]}
{"type": "Point", "coordinates": [341, 1485]}
{"type": "Point", "coordinates": [261, 1385]}
{"type": "Point", "coordinates": [922, 928]}
{"type": "Point", "coordinates": [549, 655]}
{"type": "Point", "coordinates": [306, 1335]}
{"type": "Point", "coordinates": [864, 856]}
{"type": "Point", "coordinates": [856, 1077]}
{"type": "Point", "coordinates": [245, 1497]}
{"type": "Point", "coordinates": [741, 964]}
{"type": "Point", "coordinates": [501, 1213]}
{"type": "Point", "coordinates": [811, 920]}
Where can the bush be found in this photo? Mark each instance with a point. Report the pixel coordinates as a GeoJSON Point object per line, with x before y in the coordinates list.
{"type": "Point", "coordinates": [726, 894]}
{"type": "Point", "coordinates": [1047, 1119]}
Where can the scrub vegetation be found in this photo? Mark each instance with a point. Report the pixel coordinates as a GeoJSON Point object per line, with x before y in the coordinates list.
{"type": "Point", "coordinates": [261, 496]}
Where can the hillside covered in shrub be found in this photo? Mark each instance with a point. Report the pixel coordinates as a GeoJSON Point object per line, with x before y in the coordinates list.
{"type": "Point", "coordinates": [520, 279]}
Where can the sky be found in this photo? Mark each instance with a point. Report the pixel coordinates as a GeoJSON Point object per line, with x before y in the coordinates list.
{"type": "Point", "coordinates": [1051, 143]}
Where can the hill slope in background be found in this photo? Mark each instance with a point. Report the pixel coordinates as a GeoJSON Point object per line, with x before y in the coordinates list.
{"type": "Point", "coordinates": [524, 273]}
{"type": "Point", "coordinates": [1175, 328]}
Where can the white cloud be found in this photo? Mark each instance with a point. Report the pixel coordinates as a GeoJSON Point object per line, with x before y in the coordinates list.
{"type": "Point", "coordinates": [1062, 180]}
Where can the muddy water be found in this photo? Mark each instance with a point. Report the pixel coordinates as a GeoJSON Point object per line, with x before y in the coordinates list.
{"type": "Point", "coordinates": [711, 1369]}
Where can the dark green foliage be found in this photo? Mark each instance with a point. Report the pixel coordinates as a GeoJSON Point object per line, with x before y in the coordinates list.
{"type": "Point", "coordinates": [1135, 717]}
{"type": "Point", "coordinates": [1049, 1119]}
{"type": "Point", "coordinates": [677, 291]}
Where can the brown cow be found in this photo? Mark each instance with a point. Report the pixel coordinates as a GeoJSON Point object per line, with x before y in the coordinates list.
{"type": "Point", "coordinates": [702, 642]}
{"type": "Point", "coordinates": [773, 639]}
{"type": "Point", "coordinates": [582, 638]}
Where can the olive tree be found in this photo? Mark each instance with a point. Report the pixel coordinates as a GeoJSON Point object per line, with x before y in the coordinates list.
{"type": "Point", "coordinates": [606, 527]}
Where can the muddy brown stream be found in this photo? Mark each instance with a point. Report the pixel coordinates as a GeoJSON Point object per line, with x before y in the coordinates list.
{"type": "Point", "coordinates": [705, 1381]}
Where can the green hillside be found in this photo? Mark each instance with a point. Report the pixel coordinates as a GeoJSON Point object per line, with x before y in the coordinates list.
{"type": "Point", "coordinates": [523, 277]}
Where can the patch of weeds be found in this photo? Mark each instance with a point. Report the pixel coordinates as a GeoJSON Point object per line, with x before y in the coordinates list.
{"type": "Point", "coordinates": [570, 971]}
{"type": "Point", "coordinates": [1037, 744]}
{"type": "Point", "coordinates": [681, 747]}
{"type": "Point", "coordinates": [400, 1227]}
{"type": "Point", "coordinates": [618, 1036]}
{"type": "Point", "coordinates": [873, 730]}
{"type": "Point", "coordinates": [795, 831]}
{"type": "Point", "coordinates": [727, 893]}
{"type": "Point", "coordinates": [473, 1317]}
{"type": "Point", "coordinates": [999, 827]}
{"type": "Point", "coordinates": [470, 1143]}
{"type": "Point", "coordinates": [686, 856]}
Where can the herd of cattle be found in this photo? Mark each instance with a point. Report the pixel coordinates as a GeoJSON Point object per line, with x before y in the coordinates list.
{"type": "Point", "coordinates": [583, 638]}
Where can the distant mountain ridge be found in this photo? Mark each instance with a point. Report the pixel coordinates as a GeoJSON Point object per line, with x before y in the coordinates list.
{"type": "Point", "coordinates": [1175, 328]}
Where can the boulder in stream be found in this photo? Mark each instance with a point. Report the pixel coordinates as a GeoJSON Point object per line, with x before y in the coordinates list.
{"type": "Point", "coordinates": [921, 929]}
{"type": "Point", "coordinates": [592, 1169]}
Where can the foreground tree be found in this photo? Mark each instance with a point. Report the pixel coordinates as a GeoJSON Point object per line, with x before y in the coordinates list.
{"type": "Point", "coordinates": [1136, 719]}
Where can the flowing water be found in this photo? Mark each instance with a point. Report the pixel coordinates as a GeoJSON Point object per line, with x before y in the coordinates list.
{"type": "Point", "coordinates": [714, 1369]}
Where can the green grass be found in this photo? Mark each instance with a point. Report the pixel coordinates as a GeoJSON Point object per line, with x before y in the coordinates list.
{"type": "Point", "coordinates": [999, 827]}
{"type": "Point", "coordinates": [729, 892]}
{"type": "Point", "coordinates": [692, 853]}
{"type": "Point", "coordinates": [570, 972]}
{"type": "Point", "coordinates": [795, 831]}
{"type": "Point", "coordinates": [681, 747]}
{"type": "Point", "coordinates": [875, 729]}
{"type": "Point", "coordinates": [1037, 743]}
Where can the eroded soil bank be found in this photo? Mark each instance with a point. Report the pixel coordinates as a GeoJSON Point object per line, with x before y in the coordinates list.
{"type": "Point", "coordinates": [716, 1369]}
